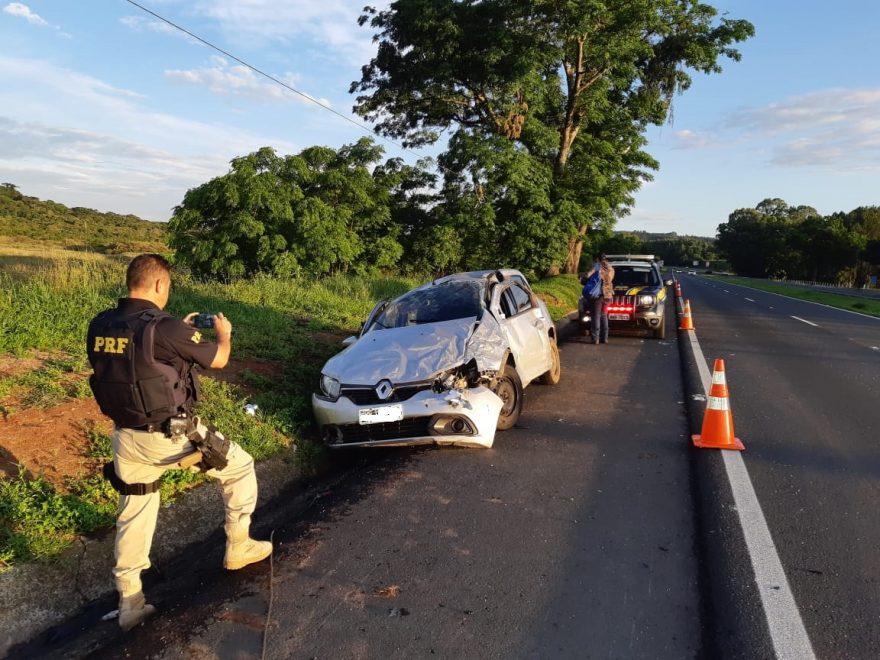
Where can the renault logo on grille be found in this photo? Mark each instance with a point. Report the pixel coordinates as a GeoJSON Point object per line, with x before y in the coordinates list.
{"type": "Point", "coordinates": [384, 390]}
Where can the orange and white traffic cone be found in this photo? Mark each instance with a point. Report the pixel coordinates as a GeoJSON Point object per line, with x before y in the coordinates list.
{"type": "Point", "coordinates": [687, 323]}
{"type": "Point", "coordinates": [717, 431]}
{"type": "Point", "coordinates": [677, 289]}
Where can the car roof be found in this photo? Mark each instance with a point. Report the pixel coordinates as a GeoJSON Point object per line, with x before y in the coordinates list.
{"type": "Point", "coordinates": [644, 258]}
{"type": "Point", "coordinates": [500, 274]}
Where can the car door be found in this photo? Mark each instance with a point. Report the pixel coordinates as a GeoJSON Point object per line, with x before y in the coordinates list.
{"type": "Point", "coordinates": [523, 323]}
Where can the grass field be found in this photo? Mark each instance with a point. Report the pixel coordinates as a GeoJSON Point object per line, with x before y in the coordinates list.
{"type": "Point", "coordinates": [47, 298]}
{"type": "Point", "coordinates": [851, 303]}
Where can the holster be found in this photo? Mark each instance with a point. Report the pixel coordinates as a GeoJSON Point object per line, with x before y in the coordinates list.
{"type": "Point", "coordinates": [210, 442]}
{"type": "Point", "coordinates": [124, 488]}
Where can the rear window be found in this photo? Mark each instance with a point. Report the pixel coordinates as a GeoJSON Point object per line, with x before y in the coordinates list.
{"type": "Point", "coordinates": [456, 299]}
{"type": "Point", "coordinates": [635, 276]}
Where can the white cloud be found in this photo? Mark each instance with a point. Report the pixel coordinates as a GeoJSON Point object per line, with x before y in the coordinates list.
{"type": "Point", "coordinates": [836, 129]}
{"type": "Point", "coordinates": [139, 24]}
{"type": "Point", "coordinates": [93, 169]}
{"type": "Point", "coordinates": [687, 139]}
{"type": "Point", "coordinates": [108, 149]}
{"type": "Point", "coordinates": [835, 107]}
{"type": "Point", "coordinates": [330, 25]}
{"type": "Point", "coordinates": [830, 129]}
{"type": "Point", "coordinates": [23, 11]}
{"type": "Point", "coordinates": [237, 80]}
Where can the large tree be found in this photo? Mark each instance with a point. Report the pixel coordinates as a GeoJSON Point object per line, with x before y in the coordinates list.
{"type": "Point", "coordinates": [571, 84]}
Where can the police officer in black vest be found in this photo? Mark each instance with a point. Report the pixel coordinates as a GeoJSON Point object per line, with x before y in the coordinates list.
{"type": "Point", "coordinates": [144, 380]}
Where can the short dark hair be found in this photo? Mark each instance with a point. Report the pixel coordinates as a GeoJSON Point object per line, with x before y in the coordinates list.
{"type": "Point", "coordinates": [144, 268]}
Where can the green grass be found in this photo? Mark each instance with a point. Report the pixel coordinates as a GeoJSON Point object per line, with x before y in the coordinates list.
{"type": "Point", "coordinates": [60, 378]}
{"type": "Point", "coordinates": [868, 306]}
{"type": "Point", "coordinates": [45, 308]}
{"type": "Point", "coordinates": [560, 293]}
{"type": "Point", "coordinates": [38, 522]}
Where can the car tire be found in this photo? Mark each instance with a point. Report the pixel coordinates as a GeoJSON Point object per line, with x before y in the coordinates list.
{"type": "Point", "coordinates": [554, 373]}
{"type": "Point", "coordinates": [660, 332]}
{"type": "Point", "coordinates": [509, 388]}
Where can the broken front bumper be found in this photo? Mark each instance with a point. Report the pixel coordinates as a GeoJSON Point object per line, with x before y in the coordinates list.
{"type": "Point", "coordinates": [466, 418]}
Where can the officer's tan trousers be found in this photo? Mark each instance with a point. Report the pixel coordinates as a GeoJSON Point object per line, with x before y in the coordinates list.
{"type": "Point", "coordinates": [143, 457]}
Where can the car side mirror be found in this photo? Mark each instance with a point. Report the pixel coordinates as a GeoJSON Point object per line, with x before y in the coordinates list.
{"type": "Point", "coordinates": [348, 341]}
{"type": "Point", "coordinates": [668, 282]}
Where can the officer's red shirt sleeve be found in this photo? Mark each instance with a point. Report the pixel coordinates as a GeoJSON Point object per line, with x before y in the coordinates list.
{"type": "Point", "coordinates": [175, 340]}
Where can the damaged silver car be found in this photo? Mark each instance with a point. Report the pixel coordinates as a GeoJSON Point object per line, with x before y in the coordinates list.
{"type": "Point", "coordinates": [444, 363]}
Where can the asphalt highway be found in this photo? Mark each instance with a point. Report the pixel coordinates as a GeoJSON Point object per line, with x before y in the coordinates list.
{"type": "Point", "coordinates": [572, 538]}
{"type": "Point", "coordinates": [804, 384]}
{"type": "Point", "coordinates": [577, 535]}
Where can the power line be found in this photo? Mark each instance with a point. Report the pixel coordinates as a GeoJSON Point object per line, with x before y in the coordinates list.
{"type": "Point", "coordinates": [363, 127]}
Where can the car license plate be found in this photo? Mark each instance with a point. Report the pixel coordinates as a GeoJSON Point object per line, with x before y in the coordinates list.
{"type": "Point", "coordinates": [618, 317]}
{"type": "Point", "coordinates": [380, 414]}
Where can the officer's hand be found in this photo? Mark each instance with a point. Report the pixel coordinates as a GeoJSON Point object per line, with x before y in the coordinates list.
{"type": "Point", "coordinates": [222, 326]}
{"type": "Point", "coordinates": [188, 319]}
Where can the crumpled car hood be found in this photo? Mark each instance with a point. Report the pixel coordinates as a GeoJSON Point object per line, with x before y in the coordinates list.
{"type": "Point", "coordinates": [418, 352]}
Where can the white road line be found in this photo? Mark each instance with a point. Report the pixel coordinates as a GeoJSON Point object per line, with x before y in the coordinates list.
{"type": "Point", "coordinates": [725, 290]}
{"type": "Point", "coordinates": [809, 302]}
{"type": "Point", "coordinates": [787, 632]}
{"type": "Point", "coordinates": [798, 318]}
{"type": "Point", "coordinates": [750, 300]}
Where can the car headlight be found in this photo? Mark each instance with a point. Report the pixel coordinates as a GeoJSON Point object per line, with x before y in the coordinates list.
{"type": "Point", "coordinates": [646, 301]}
{"type": "Point", "coordinates": [330, 387]}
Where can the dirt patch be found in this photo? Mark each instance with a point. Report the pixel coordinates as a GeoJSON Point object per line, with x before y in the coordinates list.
{"type": "Point", "coordinates": [248, 374]}
{"type": "Point", "coordinates": [13, 366]}
{"type": "Point", "coordinates": [51, 442]}
{"type": "Point", "coordinates": [331, 338]}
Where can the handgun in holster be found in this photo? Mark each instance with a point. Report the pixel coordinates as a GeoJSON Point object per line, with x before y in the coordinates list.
{"type": "Point", "coordinates": [212, 444]}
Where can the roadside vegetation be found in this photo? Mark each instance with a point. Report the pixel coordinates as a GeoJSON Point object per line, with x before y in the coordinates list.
{"type": "Point", "coordinates": [868, 306]}
{"type": "Point", "coordinates": [284, 330]}
{"type": "Point", "coordinates": [45, 222]}
{"type": "Point", "coordinates": [546, 107]}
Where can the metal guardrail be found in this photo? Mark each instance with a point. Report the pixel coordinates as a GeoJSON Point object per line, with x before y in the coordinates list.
{"type": "Point", "coordinates": [830, 288]}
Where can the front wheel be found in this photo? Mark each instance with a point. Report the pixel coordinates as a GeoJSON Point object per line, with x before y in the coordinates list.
{"type": "Point", "coordinates": [509, 389]}
{"type": "Point", "coordinates": [660, 332]}
{"type": "Point", "coordinates": [554, 373]}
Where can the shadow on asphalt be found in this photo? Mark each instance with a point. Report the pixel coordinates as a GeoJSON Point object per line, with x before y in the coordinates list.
{"type": "Point", "coordinates": [187, 590]}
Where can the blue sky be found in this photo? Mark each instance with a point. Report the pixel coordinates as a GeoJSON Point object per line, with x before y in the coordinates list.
{"type": "Point", "coordinates": [102, 106]}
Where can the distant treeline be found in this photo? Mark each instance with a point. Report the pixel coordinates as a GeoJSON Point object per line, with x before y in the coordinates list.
{"type": "Point", "coordinates": [797, 242]}
{"type": "Point", "coordinates": [78, 228]}
{"type": "Point", "coordinates": [670, 248]}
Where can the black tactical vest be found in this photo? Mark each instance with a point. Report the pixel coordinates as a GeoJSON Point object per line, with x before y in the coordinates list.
{"type": "Point", "coordinates": [131, 387]}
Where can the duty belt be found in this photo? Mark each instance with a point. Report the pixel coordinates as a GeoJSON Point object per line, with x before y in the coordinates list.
{"type": "Point", "coordinates": [162, 427]}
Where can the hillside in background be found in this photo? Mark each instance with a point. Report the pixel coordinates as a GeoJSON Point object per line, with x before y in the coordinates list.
{"type": "Point", "coordinates": [77, 228]}
{"type": "Point", "coordinates": [646, 236]}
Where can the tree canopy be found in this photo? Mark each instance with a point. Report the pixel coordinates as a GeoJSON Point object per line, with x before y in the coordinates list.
{"type": "Point", "coordinates": [317, 212]}
{"type": "Point", "coordinates": [560, 92]}
{"type": "Point", "coordinates": [774, 239]}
